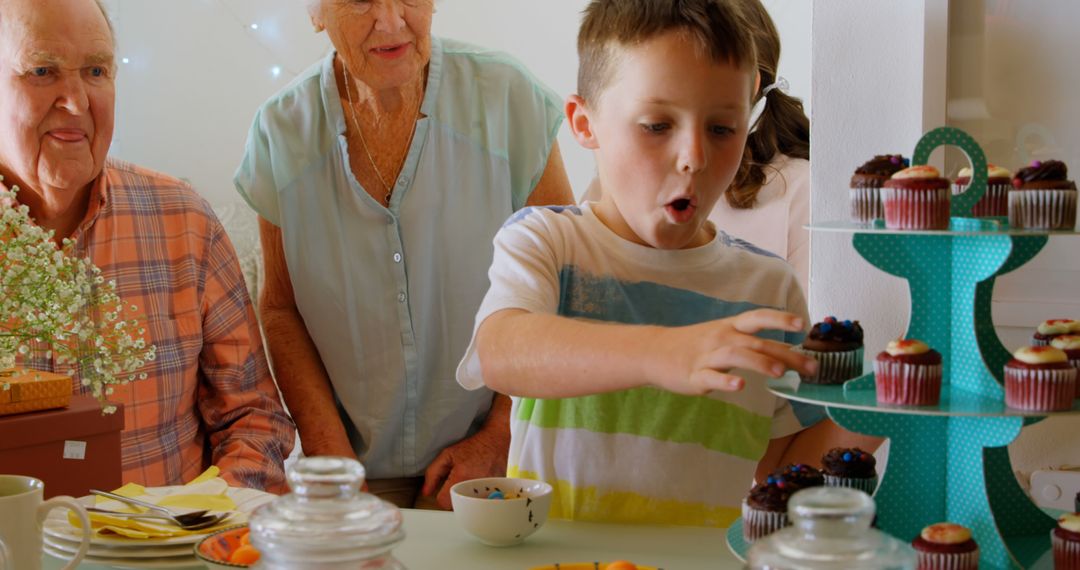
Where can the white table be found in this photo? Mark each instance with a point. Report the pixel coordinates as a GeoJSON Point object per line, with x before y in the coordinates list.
{"type": "Point", "coordinates": [434, 541]}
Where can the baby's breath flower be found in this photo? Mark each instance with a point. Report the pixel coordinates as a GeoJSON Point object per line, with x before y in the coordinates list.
{"type": "Point", "coordinates": [48, 292]}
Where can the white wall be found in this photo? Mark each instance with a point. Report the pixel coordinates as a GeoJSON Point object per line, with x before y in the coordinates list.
{"type": "Point", "coordinates": [196, 71]}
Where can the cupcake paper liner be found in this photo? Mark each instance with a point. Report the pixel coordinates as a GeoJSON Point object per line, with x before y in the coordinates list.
{"type": "Point", "coordinates": [835, 367]}
{"type": "Point", "coordinates": [1076, 364]}
{"type": "Point", "coordinates": [1040, 390]}
{"type": "Point", "coordinates": [907, 209]}
{"type": "Point", "coordinates": [865, 484]}
{"type": "Point", "coordinates": [905, 384]}
{"type": "Point", "coordinates": [1039, 342]}
{"type": "Point", "coordinates": [866, 205]}
{"type": "Point", "coordinates": [994, 203]}
{"type": "Point", "coordinates": [1042, 209]}
{"type": "Point", "coordinates": [948, 560]}
{"type": "Point", "coordinates": [1066, 553]}
{"type": "Point", "coordinates": [758, 523]}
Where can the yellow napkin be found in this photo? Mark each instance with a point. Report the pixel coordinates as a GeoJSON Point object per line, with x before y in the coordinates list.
{"type": "Point", "coordinates": [207, 491]}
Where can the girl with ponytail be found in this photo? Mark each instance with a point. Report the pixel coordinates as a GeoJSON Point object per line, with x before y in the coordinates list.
{"type": "Point", "coordinates": [769, 202]}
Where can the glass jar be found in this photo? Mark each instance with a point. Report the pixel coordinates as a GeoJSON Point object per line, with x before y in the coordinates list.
{"type": "Point", "coordinates": [830, 528]}
{"type": "Point", "coordinates": [327, 522]}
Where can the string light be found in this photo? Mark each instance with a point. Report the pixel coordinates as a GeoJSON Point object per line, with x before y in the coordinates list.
{"type": "Point", "coordinates": [125, 60]}
{"type": "Point", "coordinates": [254, 26]}
{"type": "Point", "coordinates": [275, 71]}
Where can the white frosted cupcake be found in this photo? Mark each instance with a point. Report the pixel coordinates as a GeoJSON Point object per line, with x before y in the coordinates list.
{"type": "Point", "coordinates": [995, 202]}
{"type": "Point", "coordinates": [916, 198]}
{"type": "Point", "coordinates": [946, 546]}
{"type": "Point", "coordinates": [908, 373]}
{"type": "Point", "coordinates": [1040, 379]}
{"type": "Point", "coordinates": [1070, 345]}
{"type": "Point", "coordinates": [1047, 330]}
{"type": "Point", "coordinates": [1065, 539]}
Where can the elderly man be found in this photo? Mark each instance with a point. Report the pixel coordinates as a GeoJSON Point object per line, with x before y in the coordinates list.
{"type": "Point", "coordinates": [209, 398]}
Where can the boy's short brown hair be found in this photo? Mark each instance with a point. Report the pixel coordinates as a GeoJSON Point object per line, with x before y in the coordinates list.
{"type": "Point", "coordinates": [717, 25]}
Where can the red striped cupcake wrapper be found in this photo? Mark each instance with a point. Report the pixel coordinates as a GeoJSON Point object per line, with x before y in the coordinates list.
{"type": "Point", "coordinates": [903, 384]}
{"type": "Point", "coordinates": [1076, 364]}
{"type": "Point", "coordinates": [758, 523]}
{"type": "Point", "coordinates": [1066, 553]}
{"type": "Point", "coordinates": [865, 484]}
{"type": "Point", "coordinates": [834, 367]}
{"type": "Point", "coordinates": [1040, 390]}
{"type": "Point", "coordinates": [948, 560]}
{"type": "Point", "coordinates": [907, 209]}
{"type": "Point", "coordinates": [866, 205]}
{"type": "Point", "coordinates": [995, 202]}
{"type": "Point", "coordinates": [1042, 209]}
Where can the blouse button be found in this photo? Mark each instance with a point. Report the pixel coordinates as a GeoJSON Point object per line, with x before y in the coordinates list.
{"type": "Point", "coordinates": [397, 258]}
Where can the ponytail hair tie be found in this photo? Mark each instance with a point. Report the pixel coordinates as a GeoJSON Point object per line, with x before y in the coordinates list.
{"type": "Point", "coordinates": [780, 83]}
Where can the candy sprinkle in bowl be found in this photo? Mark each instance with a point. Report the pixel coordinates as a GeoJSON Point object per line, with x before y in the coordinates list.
{"type": "Point", "coordinates": [227, 549]}
{"type": "Point", "coordinates": [501, 511]}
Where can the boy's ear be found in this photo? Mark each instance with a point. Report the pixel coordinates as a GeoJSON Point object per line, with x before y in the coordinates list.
{"type": "Point", "coordinates": [315, 13]}
{"type": "Point", "coordinates": [577, 115]}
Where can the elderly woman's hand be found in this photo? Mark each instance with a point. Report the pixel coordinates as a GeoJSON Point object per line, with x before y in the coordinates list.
{"type": "Point", "coordinates": [482, 455]}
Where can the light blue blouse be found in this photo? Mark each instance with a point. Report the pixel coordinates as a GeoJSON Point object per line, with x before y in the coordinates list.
{"type": "Point", "coordinates": [389, 294]}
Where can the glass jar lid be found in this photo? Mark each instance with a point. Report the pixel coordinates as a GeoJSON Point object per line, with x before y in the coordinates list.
{"type": "Point", "coordinates": [326, 518]}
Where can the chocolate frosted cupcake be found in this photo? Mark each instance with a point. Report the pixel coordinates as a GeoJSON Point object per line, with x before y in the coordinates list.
{"type": "Point", "coordinates": [764, 510]}
{"type": "Point", "coordinates": [838, 348]}
{"type": "Point", "coordinates": [995, 202]}
{"type": "Point", "coordinates": [908, 373]}
{"type": "Point", "coordinates": [916, 198]}
{"type": "Point", "coordinates": [946, 546]}
{"type": "Point", "coordinates": [853, 468]}
{"type": "Point", "coordinates": [866, 186]}
{"type": "Point", "coordinates": [1043, 198]}
{"type": "Point", "coordinates": [1065, 540]}
{"type": "Point", "coordinates": [1040, 379]}
{"type": "Point", "coordinates": [798, 474]}
{"type": "Point", "coordinates": [1070, 345]}
{"type": "Point", "coordinates": [1048, 330]}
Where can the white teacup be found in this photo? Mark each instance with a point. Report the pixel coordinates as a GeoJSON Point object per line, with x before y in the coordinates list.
{"type": "Point", "coordinates": [24, 513]}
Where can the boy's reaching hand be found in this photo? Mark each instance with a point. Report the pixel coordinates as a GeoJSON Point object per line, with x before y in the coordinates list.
{"type": "Point", "coordinates": [697, 359]}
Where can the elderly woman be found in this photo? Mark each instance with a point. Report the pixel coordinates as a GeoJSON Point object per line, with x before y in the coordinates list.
{"type": "Point", "coordinates": [380, 176]}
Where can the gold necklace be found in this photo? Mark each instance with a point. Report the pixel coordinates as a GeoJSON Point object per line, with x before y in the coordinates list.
{"type": "Point", "coordinates": [356, 123]}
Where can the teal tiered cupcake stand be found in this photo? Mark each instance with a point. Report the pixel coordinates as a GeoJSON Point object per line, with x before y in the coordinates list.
{"type": "Point", "coordinates": [947, 462]}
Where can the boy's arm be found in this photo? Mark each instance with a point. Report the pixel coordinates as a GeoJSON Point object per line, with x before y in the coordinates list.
{"type": "Point", "coordinates": [545, 356]}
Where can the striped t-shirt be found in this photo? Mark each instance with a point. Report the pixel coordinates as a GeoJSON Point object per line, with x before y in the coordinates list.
{"type": "Point", "coordinates": [642, 455]}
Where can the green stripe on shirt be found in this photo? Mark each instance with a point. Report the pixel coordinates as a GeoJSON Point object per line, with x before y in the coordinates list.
{"type": "Point", "coordinates": [657, 414]}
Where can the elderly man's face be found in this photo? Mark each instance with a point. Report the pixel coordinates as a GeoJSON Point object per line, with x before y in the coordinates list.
{"type": "Point", "coordinates": [57, 92]}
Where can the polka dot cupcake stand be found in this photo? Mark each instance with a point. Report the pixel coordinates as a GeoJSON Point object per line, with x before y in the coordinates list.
{"type": "Point", "coordinates": [947, 462]}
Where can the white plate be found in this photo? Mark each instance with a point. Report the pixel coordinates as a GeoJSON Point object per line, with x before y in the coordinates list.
{"type": "Point", "coordinates": [57, 525]}
{"type": "Point", "coordinates": [71, 547]}
{"type": "Point", "coordinates": [186, 563]}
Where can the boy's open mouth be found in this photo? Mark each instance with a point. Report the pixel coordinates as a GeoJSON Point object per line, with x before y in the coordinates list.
{"type": "Point", "coordinates": [681, 210]}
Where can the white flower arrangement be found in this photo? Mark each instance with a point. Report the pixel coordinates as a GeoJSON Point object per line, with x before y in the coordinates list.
{"type": "Point", "coordinates": [51, 298]}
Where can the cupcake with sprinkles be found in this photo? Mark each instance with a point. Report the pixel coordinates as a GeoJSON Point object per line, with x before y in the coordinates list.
{"type": "Point", "coordinates": [866, 186]}
{"type": "Point", "coordinates": [838, 347]}
{"type": "Point", "coordinates": [850, 467]}
{"type": "Point", "coordinates": [1040, 379]}
{"type": "Point", "coordinates": [1065, 541]}
{"type": "Point", "coordinates": [1042, 197]}
{"type": "Point", "coordinates": [764, 510]}
{"type": "Point", "coordinates": [800, 475]}
{"type": "Point", "coordinates": [916, 198]}
{"type": "Point", "coordinates": [908, 373]}
{"type": "Point", "coordinates": [946, 546]}
{"type": "Point", "coordinates": [995, 202]}
{"type": "Point", "coordinates": [1048, 330]}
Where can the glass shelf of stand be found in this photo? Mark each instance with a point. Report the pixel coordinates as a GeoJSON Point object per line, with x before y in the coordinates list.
{"type": "Point", "coordinates": [957, 227]}
{"type": "Point", "coordinates": [859, 394]}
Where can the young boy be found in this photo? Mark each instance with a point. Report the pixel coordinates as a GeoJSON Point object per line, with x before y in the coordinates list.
{"type": "Point", "coordinates": [634, 335]}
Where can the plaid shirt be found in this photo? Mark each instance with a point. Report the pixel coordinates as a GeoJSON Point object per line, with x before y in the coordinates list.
{"type": "Point", "coordinates": [209, 397]}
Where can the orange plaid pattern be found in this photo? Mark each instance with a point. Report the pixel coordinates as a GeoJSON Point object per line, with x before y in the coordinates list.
{"type": "Point", "coordinates": [209, 397]}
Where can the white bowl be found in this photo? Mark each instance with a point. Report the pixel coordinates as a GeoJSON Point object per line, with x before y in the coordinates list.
{"type": "Point", "coordinates": [501, 522]}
